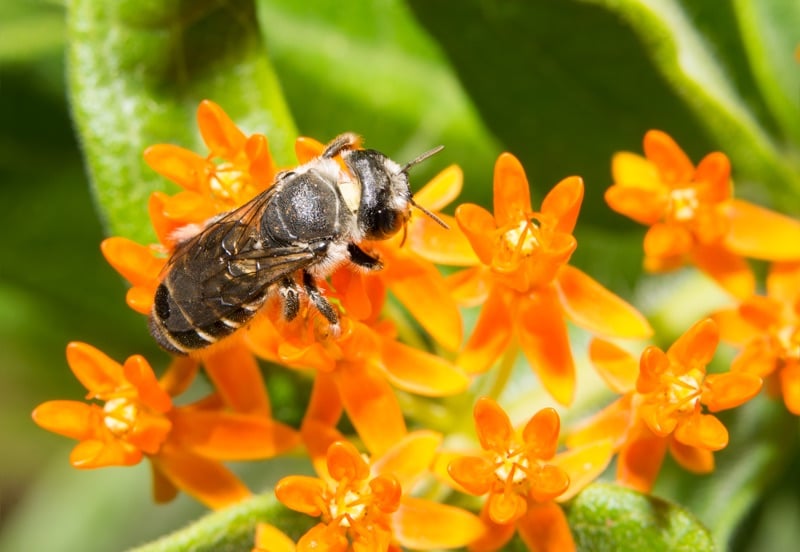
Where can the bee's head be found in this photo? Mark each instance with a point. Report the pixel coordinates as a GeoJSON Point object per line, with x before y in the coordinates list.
{"type": "Point", "coordinates": [385, 194]}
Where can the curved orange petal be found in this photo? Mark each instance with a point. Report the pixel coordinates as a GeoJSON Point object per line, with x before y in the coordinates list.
{"type": "Point", "coordinates": [544, 528]}
{"type": "Point", "coordinates": [644, 205]}
{"type": "Point", "coordinates": [371, 405]}
{"type": "Point", "coordinates": [733, 327]}
{"type": "Point", "coordinates": [420, 372]}
{"type": "Point", "coordinates": [306, 149]}
{"type": "Point", "coordinates": [496, 535]}
{"type": "Point", "coordinates": [221, 135]}
{"type": "Point", "coordinates": [425, 525]}
{"type": "Point", "coordinates": [139, 372]}
{"type": "Point", "coordinates": [724, 391]}
{"type": "Point", "coordinates": [702, 430]}
{"type": "Point", "coordinates": [563, 202]}
{"type": "Point", "coordinates": [230, 435]}
{"type": "Point", "coordinates": [512, 194]}
{"type": "Point", "coordinates": [442, 189]}
{"type": "Point", "coordinates": [100, 454]}
{"type": "Point", "coordinates": [790, 387]}
{"type": "Point", "coordinates": [179, 375]}
{"type": "Point", "coordinates": [783, 281]}
{"type": "Point", "coordinates": [547, 482]}
{"type": "Point", "coordinates": [728, 269]}
{"type": "Point", "coordinates": [697, 345]}
{"type": "Point", "coordinates": [345, 463]}
{"type": "Point", "coordinates": [672, 163]}
{"type": "Point", "coordinates": [136, 263]}
{"type": "Point", "coordinates": [163, 489]}
{"type": "Point", "coordinates": [478, 226]}
{"type": "Point", "coordinates": [271, 539]}
{"type": "Point", "coordinates": [652, 364]}
{"type": "Point", "coordinates": [543, 338]}
{"type": "Point", "coordinates": [632, 170]}
{"type": "Point", "coordinates": [490, 337]}
{"type": "Point", "coordinates": [330, 539]}
{"type": "Point", "coordinates": [162, 224]}
{"type": "Point", "coordinates": [695, 459]}
{"type": "Point", "coordinates": [237, 379]}
{"type": "Point", "coordinates": [94, 369]}
{"type": "Point", "coordinates": [188, 208]}
{"type": "Point", "coordinates": [411, 457]}
{"type": "Point", "coordinates": [446, 246]}
{"type": "Point", "coordinates": [541, 433]}
{"type": "Point", "coordinates": [185, 168]}
{"type": "Point", "coordinates": [640, 459]}
{"type": "Point", "coordinates": [713, 178]}
{"type": "Point", "coordinates": [140, 299]}
{"type": "Point", "coordinates": [470, 287]}
{"type": "Point", "coordinates": [506, 507]}
{"type": "Point", "coordinates": [475, 474]}
{"type": "Point", "coordinates": [73, 419]}
{"type": "Point", "coordinates": [618, 368]}
{"type": "Point", "coordinates": [758, 358]}
{"type": "Point", "coordinates": [595, 308]}
{"type": "Point", "coordinates": [206, 480]}
{"type": "Point", "coordinates": [667, 240]}
{"type": "Point", "coordinates": [583, 465]}
{"type": "Point", "coordinates": [762, 234]}
{"type": "Point", "coordinates": [262, 166]}
{"type": "Point", "coordinates": [612, 423]}
{"type": "Point", "coordinates": [492, 425]}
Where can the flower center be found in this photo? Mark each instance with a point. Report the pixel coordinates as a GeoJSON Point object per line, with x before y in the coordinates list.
{"type": "Point", "coordinates": [227, 182]}
{"type": "Point", "coordinates": [511, 467]}
{"type": "Point", "coordinates": [120, 415]}
{"type": "Point", "coordinates": [788, 340]}
{"type": "Point", "coordinates": [683, 392]}
{"type": "Point", "coordinates": [525, 238]}
{"type": "Point", "coordinates": [348, 506]}
{"type": "Point", "coordinates": [683, 204]}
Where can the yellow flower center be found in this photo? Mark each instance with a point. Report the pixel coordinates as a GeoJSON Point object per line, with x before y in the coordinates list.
{"type": "Point", "coordinates": [348, 506]}
{"type": "Point", "coordinates": [227, 182]}
{"type": "Point", "coordinates": [120, 415]}
{"type": "Point", "coordinates": [511, 467]}
{"type": "Point", "coordinates": [787, 337]}
{"type": "Point", "coordinates": [683, 392]}
{"type": "Point", "coordinates": [525, 238]}
{"type": "Point", "coordinates": [683, 204]}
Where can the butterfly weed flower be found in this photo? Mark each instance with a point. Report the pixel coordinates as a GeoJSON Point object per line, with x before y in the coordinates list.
{"type": "Point", "coordinates": [767, 329]}
{"type": "Point", "coordinates": [526, 285]}
{"type": "Point", "coordinates": [693, 217]}
{"type": "Point", "coordinates": [132, 417]}
{"type": "Point", "coordinates": [364, 505]}
{"type": "Point", "coordinates": [666, 397]}
{"type": "Point", "coordinates": [522, 475]}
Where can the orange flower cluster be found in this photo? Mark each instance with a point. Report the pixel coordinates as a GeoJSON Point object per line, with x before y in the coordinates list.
{"type": "Point", "coordinates": [514, 262]}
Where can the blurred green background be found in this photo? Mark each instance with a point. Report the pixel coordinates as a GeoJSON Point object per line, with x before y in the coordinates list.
{"type": "Point", "coordinates": [560, 83]}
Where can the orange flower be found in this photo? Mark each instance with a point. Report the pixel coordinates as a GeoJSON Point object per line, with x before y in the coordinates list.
{"type": "Point", "coordinates": [137, 419]}
{"type": "Point", "coordinates": [693, 217]}
{"type": "Point", "coordinates": [523, 476]}
{"type": "Point", "coordinates": [663, 405]}
{"type": "Point", "coordinates": [526, 285]}
{"type": "Point", "coordinates": [363, 506]}
{"type": "Point", "coordinates": [355, 369]}
{"type": "Point", "coordinates": [768, 330]}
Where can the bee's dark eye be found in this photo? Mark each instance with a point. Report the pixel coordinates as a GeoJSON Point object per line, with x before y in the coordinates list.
{"type": "Point", "coordinates": [378, 215]}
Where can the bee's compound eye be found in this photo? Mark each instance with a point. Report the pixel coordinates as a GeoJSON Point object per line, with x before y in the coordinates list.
{"type": "Point", "coordinates": [386, 224]}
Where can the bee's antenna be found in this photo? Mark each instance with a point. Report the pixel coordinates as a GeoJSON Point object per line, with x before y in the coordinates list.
{"type": "Point", "coordinates": [420, 158]}
{"type": "Point", "coordinates": [436, 219]}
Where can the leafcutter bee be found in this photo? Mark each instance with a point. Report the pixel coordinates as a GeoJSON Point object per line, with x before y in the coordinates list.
{"type": "Point", "coordinates": [297, 231]}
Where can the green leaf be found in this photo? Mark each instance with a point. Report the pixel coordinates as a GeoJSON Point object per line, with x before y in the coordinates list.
{"type": "Point", "coordinates": [608, 517]}
{"type": "Point", "coordinates": [138, 70]}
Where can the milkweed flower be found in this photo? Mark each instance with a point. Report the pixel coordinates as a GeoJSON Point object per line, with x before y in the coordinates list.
{"type": "Point", "coordinates": [665, 399]}
{"type": "Point", "coordinates": [768, 331]}
{"type": "Point", "coordinates": [525, 284]}
{"type": "Point", "coordinates": [134, 418]}
{"type": "Point", "coordinates": [522, 476]}
{"type": "Point", "coordinates": [364, 505]}
{"type": "Point", "coordinates": [693, 217]}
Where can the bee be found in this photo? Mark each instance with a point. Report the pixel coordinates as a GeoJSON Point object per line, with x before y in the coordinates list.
{"type": "Point", "coordinates": [297, 231]}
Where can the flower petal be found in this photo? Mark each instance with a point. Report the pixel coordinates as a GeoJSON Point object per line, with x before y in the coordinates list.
{"type": "Point", "coordinates": [644, 205]}
{"type": "Point", "coordinates": [724, 391]}
{"type": "Point", "coordinates": [583, 465]}
{"type": "Point", "coordinates": [672, 163]}
{"type": "Point", "coordinates": [490, 337]}
{"type": "Point", "coordinates": [470, 287]}
{"type": "Point", "coordinates": [496, 535]}
{"type": "Point", "coordinates": [783, 282]}
{"type": "Point", "coordinates": [728, 269]}
{"type": "Point", "coordinates": [702, 430]}
{"type": "Point", "coordinates": [446, 246]}
{"type": "Point", "coordinates": [136, 263]}
{"type": "Point", "coordinates": [442, 189]}
{"type": "Point", "coordinates": [237, 378]}
{"type": "Point", "coordinates": [563, 202]}
{"type": "Point", "coordinates": [345, 463]}
{"type": "Point", "coordinates": [475, 474]}
{"type": "Point", "coordinates": [371, 405]}
{"type": "Point", "coordinates": [94, 369]}
{"type": "Point", "coordinates": [506, 507]}
{"type": "Point", "coordinates": [713, 178]}
{"type": "Point", "coordinates": [697, 345]}
{"type": "Point", "coordinates": [478, 226]}
{"type": "Point", "coordinates": [612, 422]}
{"type": "Point", "coordinates": [547, 483]}
{"type": "Point", "coordinates": [73, 419]}
{"type": "Point", "coordinates": [595, 308]}
{"type": "Point", "coordinates": [512, 194]}
{"type": "Point", "coordinates": [425, 525]}
{"type": "Point", "coordinates": [541, 433]}
{"type": "Point", "coordinates": [762, 234]}
{"type": "Point", "coordinates": [100, 454]}
{"type": "Point", "coordinates": [221, 135]}
{"type": "Point", "coordinates": [695, 459]}
{"type": "Point", "coordinates": [543, 338]}
{"type": "Point", "coordinates": [544, 528]}
{"type": "Point", "coordinates": [139, 372]}
{"type": "Point", "coordinates": [411, 457]}
{"type": "Point", "coordinates": [271, 539]}
{"type": "Point", "coordinates": [301, 493]}
{"type": "Point", "coordinates": [631, 170]}
{"type": "Point", "coordinates": [492, 425]}
{"type": "Point", "coordinates": [734, 328]}
{"type": "Point", "coordinates": [640, 459]}
{"type": "Point", "coordinates": [163, 489]}
{"type": "Point", "coordinates": [179, 375]}
{"type": "Point", "coordinates": [790, 387]}
{"type": "Point", "coordinates": [652, 364]}
{"type": "Point", "coordinates": [618, 368]}
{"type": "Point", "coordinates": [421, 372]}
{"type": "Point", "coordinates": [185, 168]}
{"type": "Point", "coordinates": [667, 240]}
{"type": "Point", "coordinates": [206, 480]}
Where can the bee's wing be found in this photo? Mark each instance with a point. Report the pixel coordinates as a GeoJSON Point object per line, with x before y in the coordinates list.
{"type": "Point", "coordinates": [228, 265]}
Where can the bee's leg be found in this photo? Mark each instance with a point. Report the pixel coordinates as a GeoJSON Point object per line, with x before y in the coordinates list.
{"type": "Point", "coordinates": [348, 140]}
{"type": "Point", "coordinates": [360, 258]}
{"type": "Point", "coordinates": [291, 298]}
{"type": "Point", "coordinates": [319, 301]}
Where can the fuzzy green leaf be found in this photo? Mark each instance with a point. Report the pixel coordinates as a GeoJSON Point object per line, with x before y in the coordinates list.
{"type": "Point", "coordinates": [138, 70]}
